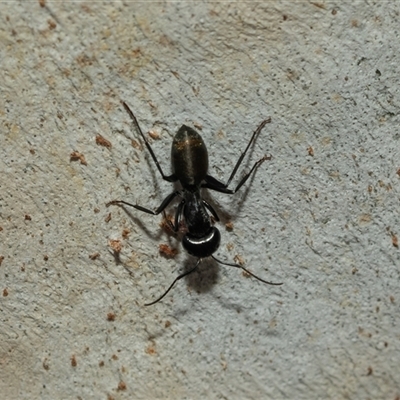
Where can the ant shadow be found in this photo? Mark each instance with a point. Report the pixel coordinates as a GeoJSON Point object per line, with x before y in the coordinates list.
{"type": "Point", "coordinates": [204, 277]}
{"type": "Point", "coordinates": [143, 226]}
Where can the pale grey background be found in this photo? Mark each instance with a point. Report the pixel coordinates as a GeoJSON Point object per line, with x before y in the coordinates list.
{"type": "Point", "coordinates": [327, 73]}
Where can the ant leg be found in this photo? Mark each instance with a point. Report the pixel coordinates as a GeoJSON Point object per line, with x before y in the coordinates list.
{"type": "Point", "coordinates": [178, 215]}
{"type": "Point", "coordinates": [175, 226]}
{"type": "Point", "coordinates": [170, 178]}
{"type": "Point", "coordinates": [211, 209]}
{"type": "Point", "coordinates": [256, 132]}
{"type": "Point", "coordinates": [169, 223]}
{"type": "Point", "coordinates": [173, 283]}
{"type": "Point", "coordinates": [246, 270]}
{"type": "Point", "coordinates": [215, 184]}
{"type": "Point", "coordinates": [162, 207]}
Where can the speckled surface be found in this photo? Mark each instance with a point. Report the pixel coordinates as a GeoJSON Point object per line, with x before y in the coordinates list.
{"type": "Point", "coordinates": [321, 215]}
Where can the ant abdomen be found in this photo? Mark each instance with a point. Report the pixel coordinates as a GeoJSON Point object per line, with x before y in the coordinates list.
{"type": "Point", "coordinates": [203, 246]}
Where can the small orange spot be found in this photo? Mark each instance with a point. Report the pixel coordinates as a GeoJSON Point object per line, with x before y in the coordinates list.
{"type": "Point", "coordinates": [229, 226]}
{"type": "Point", "coordinates": [101, 141]}
{"type": "Point", "coordinates": [151, 350]}
{"type": "Point", "coordinates": [51, 24]}
{"type": "Point", "coordinates": [76, 156]}
{"type": "Point", "coordinates": [136, 145]}
{"type": "Point", "coordinates": [94, 256]}
{"type": "Point", "coordinates": [115, 245]}
{"type": "Point", "coordinates": [167, 251]}
{"type": "Point", "coordinates": [110, 316]}
{"type": "Point", "coordinates": [73, 361]}
{"type": "Point", "coordinates": [84, 60]}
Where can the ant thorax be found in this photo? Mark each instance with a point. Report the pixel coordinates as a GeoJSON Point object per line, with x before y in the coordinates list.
{"type": "Point", "coordinates": [197, 220]}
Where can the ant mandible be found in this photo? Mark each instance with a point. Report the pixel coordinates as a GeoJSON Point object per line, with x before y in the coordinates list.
{"type": "Point", "coordinates": [190, 167]}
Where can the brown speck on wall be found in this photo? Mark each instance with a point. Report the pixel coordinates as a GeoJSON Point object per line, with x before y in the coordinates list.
{"type": "Point", "coordinates": [77, 156]}
{"type": "Point", "coordinates": [395, 240]}
{"type": "Point", "coordinates": [125, 233]}
{"type": "Point", "coordinates": [73, 361]}
{"type": "Point", "coordinates": [110, 316]}
{"type": "Point", "coordinates": [167, 251]}
{"type": "Point", "coordinates": [45, 364]}
{"type": "Point", "coordinates": [94, 256]}
{"type": "Point", "coordinates": [101, 141]}
{"type": "Point", "coordinates": [116, 245]}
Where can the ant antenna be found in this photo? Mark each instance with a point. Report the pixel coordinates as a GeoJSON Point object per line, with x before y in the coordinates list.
{"type": "Point", "coordinates": [173, 283]}
{"type": "Point", "coordinates": [246, 270]}
{"type": "Point", "coordinates": [218, 261]}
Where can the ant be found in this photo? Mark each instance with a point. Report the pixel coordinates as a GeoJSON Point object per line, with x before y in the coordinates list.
{"type": "Point", "coordinates": [190, 167]}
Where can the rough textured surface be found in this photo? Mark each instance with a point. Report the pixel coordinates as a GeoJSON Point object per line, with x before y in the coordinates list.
{"type": "Point", "coordinates": [322, 216]}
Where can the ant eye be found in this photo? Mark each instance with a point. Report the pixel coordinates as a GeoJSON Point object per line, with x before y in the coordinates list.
{"type": "Point", "coordinates": [190, 169]}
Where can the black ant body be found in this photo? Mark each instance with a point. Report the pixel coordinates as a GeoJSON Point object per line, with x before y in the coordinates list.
{"type": "Point", "coordinates": [190, 167]}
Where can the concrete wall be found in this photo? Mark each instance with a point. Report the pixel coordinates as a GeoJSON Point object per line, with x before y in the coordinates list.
{"type": "Point", "coordinates": [322, 216]}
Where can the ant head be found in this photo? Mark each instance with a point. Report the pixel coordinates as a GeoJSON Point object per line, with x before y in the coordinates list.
{"type": "Point", "coordinates": [204, 246]}
{"type": "Point", "coordinates": [189, 157]}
